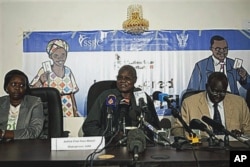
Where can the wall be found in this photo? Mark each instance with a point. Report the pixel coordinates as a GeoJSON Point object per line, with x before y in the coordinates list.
{"type": "Point", "coordinates": [17, 16]}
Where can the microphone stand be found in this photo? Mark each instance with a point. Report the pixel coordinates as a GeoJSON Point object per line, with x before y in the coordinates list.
{"type": "Point", "coordinates": [109, 123]}
{"type": "Point", "coordinates": [179, 142]}
{"type": "Point", "coordinates": [122, 123]}
{"type": "Point", "coordinates": [142, 120]}
{"type": "Point", "coordinates": [144, 123]}
{"type": "Point", "coordinates": [123, 140]}
{"type": "Point", "coordinates": [226, 141]}
{"type": "Point", "coordinates": [124, 126]}
{"type": "Point", "coordinates": [214, 142]}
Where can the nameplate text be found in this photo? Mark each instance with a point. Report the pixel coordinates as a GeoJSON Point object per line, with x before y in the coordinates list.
{"type": "Point", "coordinates": [77, 143]}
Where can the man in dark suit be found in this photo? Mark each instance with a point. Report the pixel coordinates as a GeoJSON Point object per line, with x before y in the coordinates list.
{"type": "Point", "coordinates": [96, 123]}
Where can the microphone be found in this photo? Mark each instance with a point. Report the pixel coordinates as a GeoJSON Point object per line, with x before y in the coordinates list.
{"type": "Point", "coordinates": [142, 104]}
{"type": "Point", "coordinates": [121, 141]}
{"type": "Point", "coordinates": [153, 129]}
{"type": "Point", "coordinates": [141, 101]}
{"type": "Point", "coordinates": [197, 124]}
{"type": "Point", "coordinates": [192, 135]}
{"type": "Point", "coordinates": [124, 107]}
{"type": "Point", "coordinates": [221, 128]}
{"type": "Point", "coordinates": [159, 136]}
{"type": "Point", "coordinates": [111, 104]}
{"type": "Point", "coordinates": [215, 125]}
{"type": "Point", "coordinates": [164, 133]}
{"type": "Point", "coordinates": [165, 123]}
{"type": "Point", "coordinates": [140, 98]}
{"type": "Point", "coordinates": [158, 95]}
{"type": "Point", "coordinates": [136, 142]}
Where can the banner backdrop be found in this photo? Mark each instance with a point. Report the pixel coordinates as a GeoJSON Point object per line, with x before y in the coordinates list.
{"type": "Point", "coordinates": [164, 59]}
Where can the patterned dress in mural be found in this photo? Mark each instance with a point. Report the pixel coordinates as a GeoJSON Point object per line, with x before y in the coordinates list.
{"type": "Point", "coordinates": [67, 87]}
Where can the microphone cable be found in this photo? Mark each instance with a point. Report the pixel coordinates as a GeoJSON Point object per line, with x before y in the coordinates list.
{"type": "Point", "coordinates": [91, 156]}
{"type": "Point", "coordinates": [195, 157]}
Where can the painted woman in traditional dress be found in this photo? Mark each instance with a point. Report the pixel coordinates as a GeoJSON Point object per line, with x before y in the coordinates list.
{"type": "Point", "coordinates": [59, 76]}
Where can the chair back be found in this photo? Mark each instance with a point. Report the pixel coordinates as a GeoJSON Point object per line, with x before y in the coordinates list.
{"type": "Point", "coordinates": [96, 89]}
{"type": "Point", "coordinates": [190, 93]}
{"type": "Point", "coordinates": [248, 98]}
{"type": "Point", "coordinates": [52, 107]}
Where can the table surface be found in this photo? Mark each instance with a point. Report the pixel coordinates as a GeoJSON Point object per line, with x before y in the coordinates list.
{"type": "Point", "coordinates": [38, 152]}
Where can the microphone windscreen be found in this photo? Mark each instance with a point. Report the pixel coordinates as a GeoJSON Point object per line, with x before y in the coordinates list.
{"type": "Point", "coordinates": [165, 123]}
{"type": "Point", "coordinates": [212, 123]}
{"type": "Point", "coordinates": [124, 101]}
{"type": "Point", "coordinates": [142, 102]}
{"type": "Point", "coordinates": [136, 137]}
{"type": "Point", "coordinates": [140, 95]}
{"type": "Point", "coordinates": [163, 97]}
{"type": "Point", "coordinates": [155, 95]}
{"type": "Point", "coordinates": [137, 89]}
{"type": "Point", "coordinates": [197, 124]}
{"type": "Point", "coordinates": [175, 113]}
{"type": "Point", "coordinates": [111, 100]}
{"type": "Point", "coordinates": [124, 106]}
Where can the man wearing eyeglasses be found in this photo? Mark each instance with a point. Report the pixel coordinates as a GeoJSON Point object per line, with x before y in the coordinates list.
{"type": "Point", "coordinates": [125, 109]}
{"type": "Point", "coordinates": [218, 61]}
{"type": "Point", "coordinates": [232, 109]}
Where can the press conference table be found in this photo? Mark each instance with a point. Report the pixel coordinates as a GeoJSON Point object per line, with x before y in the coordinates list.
{"type": "Point", "coordinates": [38, 153]}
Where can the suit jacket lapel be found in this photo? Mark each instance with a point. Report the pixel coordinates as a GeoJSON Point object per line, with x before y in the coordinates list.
{"type": "Point", "coordinates": [203, 105]}
{"type": "Point", "coordinates": [22, 115]}
{"type": "Point", "coordinates": [210, 65]}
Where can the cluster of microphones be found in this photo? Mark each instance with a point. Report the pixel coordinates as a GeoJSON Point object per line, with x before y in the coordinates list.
{"type": "Point", "coordinates": [199, 125]}
{"type": "Point", "coordinates": [136, 139]}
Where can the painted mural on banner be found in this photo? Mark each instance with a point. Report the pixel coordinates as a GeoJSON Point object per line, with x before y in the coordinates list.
{"type": "Point", "coordinates": [169, 61]}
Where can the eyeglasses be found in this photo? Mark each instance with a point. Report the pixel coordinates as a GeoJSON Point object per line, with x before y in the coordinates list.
{"type": "Point", "coordinates": [217, 49]}
{"type": "Point", "coordinates": [126, 79]}
{"type": "Point", "coordinates": [216, 93]}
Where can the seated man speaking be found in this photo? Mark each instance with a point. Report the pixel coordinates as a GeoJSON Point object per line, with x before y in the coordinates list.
{"type": "Point", "coordinates": [96, 121]}
{"type": "Point", "coordinates": [233, 112]}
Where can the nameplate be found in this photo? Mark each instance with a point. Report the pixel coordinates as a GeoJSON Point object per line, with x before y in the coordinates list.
{"type": "Point", "coordinates": [77, 143]}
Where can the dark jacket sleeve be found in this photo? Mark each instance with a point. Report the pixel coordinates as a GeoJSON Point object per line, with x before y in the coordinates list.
{"type": "Point", "coordinates": [95, 122]}
{"type": "Point", "coordinates": [153, 118]}
{"type": "Point", "coordinates": [92, 125]}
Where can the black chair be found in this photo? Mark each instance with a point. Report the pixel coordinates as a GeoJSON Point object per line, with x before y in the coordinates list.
{"type": "Point", "coordinates": [248, 98]}
{"type": "Point", "coordinates": [190, 93]}
{"type": "Point", "coordinates": [52, 106]}
{"type": "Point", "coordinates": [96, 89]}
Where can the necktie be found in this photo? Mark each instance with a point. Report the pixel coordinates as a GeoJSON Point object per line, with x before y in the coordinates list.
{"type": "Point", "coordinates": [222, 66]}
{"type": "Point", "coordinates": [217, 118]}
